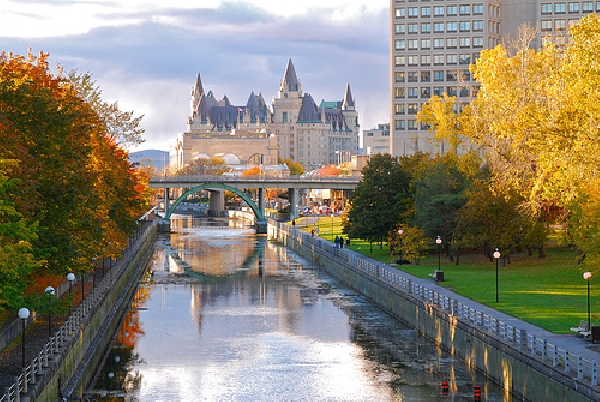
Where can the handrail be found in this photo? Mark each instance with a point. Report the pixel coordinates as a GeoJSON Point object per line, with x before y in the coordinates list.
{"type": "Point", "coordinates": [512, 337]}
{"type": "Point", "coordinates": [64, 336]}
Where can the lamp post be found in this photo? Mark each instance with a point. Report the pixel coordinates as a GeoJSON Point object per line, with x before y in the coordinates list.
{"type": "Point", "coordinates": [497, 257]}
{"type": "Point", "coordinates": [82, 293]}
{"type": "Point", "coordinates": [587, 276]}
{"type": "Point", "coordinates": [438, 241]}
{"type": "Point", "coordinates": [23, 315]}
{"type": "Point", "coordinates": [49, 293]}
{"type": "Point", "coordinates": [332, 225]}
{"type": "Point", "coordinates": [70, 278]}
{"type": "Point", "coordinates": [400, 233]}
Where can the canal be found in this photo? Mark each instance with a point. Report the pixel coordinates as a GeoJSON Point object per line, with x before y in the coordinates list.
{"type": "Point", "coordinates": [223, 314]}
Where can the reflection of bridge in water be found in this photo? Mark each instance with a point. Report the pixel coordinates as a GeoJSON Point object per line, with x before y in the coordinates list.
{"type": "Point", "coordinates": [216, 186]}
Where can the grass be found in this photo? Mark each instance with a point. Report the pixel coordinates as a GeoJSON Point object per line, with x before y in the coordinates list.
{"type": "Point", "coordinates": [550, 293]}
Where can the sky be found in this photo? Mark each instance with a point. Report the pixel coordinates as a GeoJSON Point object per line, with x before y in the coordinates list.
{"type": "Point", "coordinates": [146, 54]}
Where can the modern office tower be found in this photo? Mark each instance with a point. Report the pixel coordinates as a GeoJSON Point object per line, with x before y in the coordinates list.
{"type": "Point", "coordinates": [433, 42]}
{"type": "Point", "coordinates": [377, 140]}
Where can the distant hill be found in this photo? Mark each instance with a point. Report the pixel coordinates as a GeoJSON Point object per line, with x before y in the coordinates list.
{"type": "Point", "coordinates": [157, 159]}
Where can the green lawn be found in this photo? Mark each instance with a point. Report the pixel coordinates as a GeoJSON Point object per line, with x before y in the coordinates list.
{"type": "Point", "coordinates": [550, 293]}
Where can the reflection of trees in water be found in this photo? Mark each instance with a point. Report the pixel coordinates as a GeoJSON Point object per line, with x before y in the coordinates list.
{"type": "Point", "coordinates": [117, 375]}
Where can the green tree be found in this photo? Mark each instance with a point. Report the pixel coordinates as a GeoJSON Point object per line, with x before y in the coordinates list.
{"type": "Point", "coordinates": [379, 200]}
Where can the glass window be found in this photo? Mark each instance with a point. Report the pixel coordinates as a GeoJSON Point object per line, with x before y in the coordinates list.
{"type": "Point", "coordinates": [438, 43]}
{"type": "Point", "coordinates": [400, 44]}
{"type": "Point", "coordinates": [438, 60]}
{"type": "Point", "coordinates": [425, 76]}
{"type": "Point", "coordinates": [465, 59]}
{"type": "Point", "coordinates": [400, 28]}
{"type": "Point", "coordinates": [413, 60]}
{"type": "Point", "coordinates": [587, 6]}
{"type": "Point", "coordinates": [413, 44]}
{"type": "Point", "coordinates": [412, 124]}
{"type": "Point", "coordinates": [399, 92]}
{"type": "Point", "coordinates": [425, 12]}
{"type": "Point", "coordinates": [546, 8]}
{"type": "Point", "coordinates": [451, 10]}
{"type": "Point", "coordinates": [465, 26]}
{"type": "Point", "coordinates": [412, 28]}
{"type": "Point", "coordinates": [438, 11]}
{"type": "Point", "coordinates": [546, 25]}
{"type": "Point", "coordinates": [425, 27]}
{"type": "Point", "coordinates": [413, 76]}
{"type": "Point", "coordinates": [477, 42]}
{"type": "Point", "coordinates": [400, 61]}
{"type": "Point", "coordinates": [574, 7]}
{"type": "Point", "coordinates": [464, 9]}
{"type": "Point", "coordinates": [451, 91]}
{"type": "Point", "coordinates": [477, 9]}
{"type": "Point", "coordinates": [400, 124]}
{"type": "Point", "coordinates": [412, 108]}
{"type": "Point", "coordinates": [451, 43]}
{"type": "Point", "coordinates": [464, 92]}
{"type": "Point", "coordinates": [438, 27]}
{"type": "Point", "coordinates": [451, 26]}
{"type": "Point", "coordinates": [465, 42]}
{"type": "Point", "coordinates": [451, 59]}
{"type": "Point", "coordinates": [438, 76]}
{"type": "Point", "coordinates": [425, 60]}
{"type": "Point", "coordinates": [399, 108]}
{"type": "Point", "coordinates": [560, 25]}
{"type": "Point", "coordinates": [560, 8]}
{"type": "Point", "coordinates": [465, 75]}
{"type": "Point", "coordinates": [413, 92]}
{"type": "Point", "coordinates": [425, 43]}
{"type": "Point", "coordinates": [413, 12]}
{"type": "Point", "coordinates": [438, 91]}
{"type": "Point", "coordinates": [426, 92]}
{"type": "Point", "coordinates": [478, 25]}
{"type": "Point", "coordinates": [451, 75]}
{"type": "Point", "coordinates": [400, 12]}
{"type": "Point", "coordinates": [399, 77]}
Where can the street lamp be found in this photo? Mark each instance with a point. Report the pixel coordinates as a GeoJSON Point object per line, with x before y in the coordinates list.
{"type": "Point", "coordinates": [71, 279]}
{"type": "Point", "coordinates": [332, 225]}
{"type": "Point", "coordinates": [438, 241]}
{"type": "Point", "coordinates": [400, 233]}
{"type": "Point", "coordinates": [587, 276]}
{"type": "Point", "coordinates": [82, 292]}
{"type": "Point", "coordinates": [497, 257]}
{"type": "Point", "coordinates": [23, 315]}
{"type": "Point", "coordinates": [49, 293]}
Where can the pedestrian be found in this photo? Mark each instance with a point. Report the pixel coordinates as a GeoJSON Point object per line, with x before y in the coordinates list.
{"type": "Point", "coordinates": [313, 232]}
{"type": "Point", "coordinates": [341, 241]}
{"type": "Point", "coordinates": [337, 242]}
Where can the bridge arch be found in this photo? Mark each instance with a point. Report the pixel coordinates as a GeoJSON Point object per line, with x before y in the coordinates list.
{"type": "Point", "coordinates": [213, 186]}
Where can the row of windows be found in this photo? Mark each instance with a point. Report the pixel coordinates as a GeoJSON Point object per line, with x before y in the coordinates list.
{"type": "Point", "coordinates": [425, 60]}
{"type": "Point", "coordinates": [438, 11]}
{"type": "Point", "coordinates": [571, 7]}
{"type": "Point", "coordinates": [447, 26]}
{"type": "Point", "coordinates": [428, 92]}
{"type": "Point", "coordinates": [557, 25]}
{"type": "Point", "coordinates": [436, 75]}
{"type": "Point", "coordinates": [437, 43]}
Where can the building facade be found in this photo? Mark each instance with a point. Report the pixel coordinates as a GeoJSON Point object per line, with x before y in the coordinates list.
{"type": "Point", "coordinates": [295, 127]}
{"type": "Point", "coordinates": [377, 140]}
{"type": "Point", "coordinates": [433, 42]}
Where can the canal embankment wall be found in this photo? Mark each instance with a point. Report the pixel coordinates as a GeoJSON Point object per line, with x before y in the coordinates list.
{"type": "Point", "coordinates": [59, 371]}
{"type": "Point", "coordinates": [533, 369]}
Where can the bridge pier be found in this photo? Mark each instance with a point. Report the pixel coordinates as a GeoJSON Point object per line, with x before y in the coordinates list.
{"type": "Point", "coordinates": [260, 227]}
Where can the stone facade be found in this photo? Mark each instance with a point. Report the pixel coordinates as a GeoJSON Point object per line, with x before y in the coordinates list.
{"type": "Point", "coordinates": [294, 127]}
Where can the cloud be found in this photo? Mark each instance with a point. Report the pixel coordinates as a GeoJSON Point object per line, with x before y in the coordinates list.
{"type": "Point", "coordinates": [146, 56]}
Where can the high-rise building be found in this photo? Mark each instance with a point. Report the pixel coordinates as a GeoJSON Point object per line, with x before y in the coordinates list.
{"type": "Point", "coordinates": [433, 42]}
{"type": "Point", "coordinates": [295, 128]}
{"type": "Point", "coordinates": [377, 140]}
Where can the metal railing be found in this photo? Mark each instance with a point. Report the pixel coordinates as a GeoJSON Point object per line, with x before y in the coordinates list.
{"type": "Point", "coordinates": [67, 334]}
{"type": "Point", "coordinates": [513, 338]}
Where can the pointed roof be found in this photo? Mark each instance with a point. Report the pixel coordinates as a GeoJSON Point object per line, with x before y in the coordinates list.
{"type": "Point", "coordinates": [198, 86]}
{"type": "Point", "coordinates": [348, 101]}
{"type": "Point", "coordinates": [309, 110]}
{"type": "Point", "coordinates": [290, 81]}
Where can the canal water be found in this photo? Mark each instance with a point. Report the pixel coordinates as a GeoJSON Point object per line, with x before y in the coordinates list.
{"type": "Point", "coordinates": [225, 315]}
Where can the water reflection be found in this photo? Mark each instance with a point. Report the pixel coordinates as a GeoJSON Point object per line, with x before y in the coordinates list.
{"type": "Point", "coordinates": [226, 315]}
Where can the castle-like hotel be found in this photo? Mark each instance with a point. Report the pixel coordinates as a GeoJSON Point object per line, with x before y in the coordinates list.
{"type": "Point", "coordinates": [295, 128]}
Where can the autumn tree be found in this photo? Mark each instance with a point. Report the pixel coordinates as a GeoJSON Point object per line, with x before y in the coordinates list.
{"type": "Point", "coordinates": [296, 168]}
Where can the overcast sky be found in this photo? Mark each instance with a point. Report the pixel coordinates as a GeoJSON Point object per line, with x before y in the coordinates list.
{"type": "Point", "coordinates": [146, 54]}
